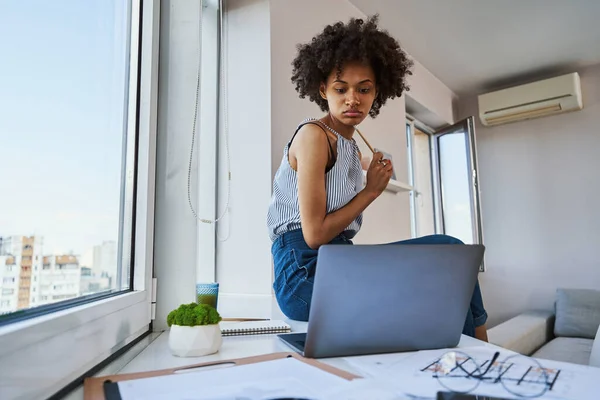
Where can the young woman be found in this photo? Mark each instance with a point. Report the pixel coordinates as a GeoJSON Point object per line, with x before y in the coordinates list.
{"type": "Point", "coordinates": [350, 71]}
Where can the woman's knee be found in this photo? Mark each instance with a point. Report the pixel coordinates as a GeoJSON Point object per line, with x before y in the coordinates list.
{"type": "Point", "coordinates": [447, 239]}
{"type": "Point", "coordinates": [432, 239]}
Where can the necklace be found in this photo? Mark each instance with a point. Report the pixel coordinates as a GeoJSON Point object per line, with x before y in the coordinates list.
{"type": "Point", "coordinates": [361, 135]}
{"type": "Point", "coordinates": [331, 129]}
{"type": "Point", "coordinates": [326, 126]}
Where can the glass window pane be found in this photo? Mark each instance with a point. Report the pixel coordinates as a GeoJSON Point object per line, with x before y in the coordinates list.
{"type": "Point", "coordinates": [455, 186]}
{"type": "Point", "coordinates": [423, 183]}
{"type": "Point", "coordinates": [63, 118]}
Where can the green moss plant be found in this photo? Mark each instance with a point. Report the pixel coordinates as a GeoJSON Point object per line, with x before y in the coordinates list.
{"type": "Point", "coordinates": [193, 314]}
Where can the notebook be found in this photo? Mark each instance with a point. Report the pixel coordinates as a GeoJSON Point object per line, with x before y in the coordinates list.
{"type": "Point", "coordinates": [231, 328]}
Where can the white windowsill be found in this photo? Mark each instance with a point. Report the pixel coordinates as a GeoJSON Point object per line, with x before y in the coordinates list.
{"type": "Point", "coordinates": [118, 364]}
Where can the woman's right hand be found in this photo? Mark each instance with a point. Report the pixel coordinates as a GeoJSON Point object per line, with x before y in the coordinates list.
{"type": "Point", "coordinates": [378, 175]}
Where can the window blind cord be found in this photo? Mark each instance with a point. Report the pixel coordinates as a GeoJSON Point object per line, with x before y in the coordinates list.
{"type": "Point", "coordinates": [224, 110]}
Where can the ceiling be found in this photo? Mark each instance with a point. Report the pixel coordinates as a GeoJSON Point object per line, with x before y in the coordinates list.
{"type": "Point", "coordinates": [474, 46]}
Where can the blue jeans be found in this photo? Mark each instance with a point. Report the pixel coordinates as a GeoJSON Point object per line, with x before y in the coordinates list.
{"type": "Point", "coordinates": [295, 264]}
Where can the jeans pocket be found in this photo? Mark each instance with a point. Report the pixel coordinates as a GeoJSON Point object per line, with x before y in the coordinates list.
{"type": "Point", "coordinates": [305, 262]}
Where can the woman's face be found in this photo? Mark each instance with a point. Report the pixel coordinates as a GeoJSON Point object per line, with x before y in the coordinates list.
{"type": "Point", "coordinates": [350, 94]}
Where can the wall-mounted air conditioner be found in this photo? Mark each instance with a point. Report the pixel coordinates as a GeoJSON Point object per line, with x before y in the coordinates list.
{"type": "Point", "coordinates": [532, 100]}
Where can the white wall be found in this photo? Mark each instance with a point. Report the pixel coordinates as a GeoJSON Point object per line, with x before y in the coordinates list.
{"type": "Point", "coordinates": [243, 246]}
{"type": "Point", "coordinates": [429, 100]}
{"type": "Point", "coordinates": [540, 184]}
{"type": "Point", "coordinates": [175, 226]}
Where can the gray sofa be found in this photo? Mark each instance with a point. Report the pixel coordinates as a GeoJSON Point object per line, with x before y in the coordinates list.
{"type": "Point", "coordinates": [571, 333]}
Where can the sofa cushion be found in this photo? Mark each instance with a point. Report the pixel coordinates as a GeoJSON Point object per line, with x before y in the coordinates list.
{"type": "Point", "coordinates": [572, 350]}
{"type": "Point", "coordinates": [524, 333]}
{"type": "Point", "coordinates": [577, 313]}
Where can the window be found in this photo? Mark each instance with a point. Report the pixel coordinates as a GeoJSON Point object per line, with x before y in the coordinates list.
{"type": "Point", "coordinates": [443, 171]}
{"type": "Point", "coordinates": [78, 95]}
{"type": "Point", "coordinates": [420, 176]}
{"type": "Point", "coordinates": [79, 137]}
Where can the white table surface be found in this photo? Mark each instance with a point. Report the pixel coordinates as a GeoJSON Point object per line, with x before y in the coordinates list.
{"type": "Point", "coordinates": [158, 356]}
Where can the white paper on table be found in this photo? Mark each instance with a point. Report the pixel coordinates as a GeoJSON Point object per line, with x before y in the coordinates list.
{"type": "Point", "coordinates": [263, 380]}
{"type": "Point", "coordinates": [410, 375]}
{"type": "Point", "coordinates": [369, 389]}
{"type": "Point", "coordinates": [376, 365]}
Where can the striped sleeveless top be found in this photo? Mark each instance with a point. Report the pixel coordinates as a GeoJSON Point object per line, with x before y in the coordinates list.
{"type": "Point", "coordinates": [343, 182]}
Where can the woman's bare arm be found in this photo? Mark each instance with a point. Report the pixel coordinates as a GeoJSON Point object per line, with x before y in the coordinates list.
{"type": "Point", "coordinates": [310, 151]}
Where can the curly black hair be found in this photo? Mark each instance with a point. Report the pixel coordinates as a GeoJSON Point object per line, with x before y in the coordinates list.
{"type": "Point", "coordinates": [358, 40]}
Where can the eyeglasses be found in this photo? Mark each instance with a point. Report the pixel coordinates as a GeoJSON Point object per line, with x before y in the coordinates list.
{"type": "Point", "coordinates": [519, 375]}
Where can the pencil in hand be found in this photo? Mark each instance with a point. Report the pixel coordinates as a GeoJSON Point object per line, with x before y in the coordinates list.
{"type": "Point", "coordinates": [370, 147]}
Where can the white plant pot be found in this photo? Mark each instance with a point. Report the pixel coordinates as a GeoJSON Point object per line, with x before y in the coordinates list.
{"type": "Point", "coordinates": [195, 341]}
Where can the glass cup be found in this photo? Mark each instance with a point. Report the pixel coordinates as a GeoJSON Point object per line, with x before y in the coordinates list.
{"type": "Point", "coordinates": [207, 293]}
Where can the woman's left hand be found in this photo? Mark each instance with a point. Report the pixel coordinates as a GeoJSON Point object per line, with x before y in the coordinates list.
{"type": "Point", "coordinates": [378, 175]}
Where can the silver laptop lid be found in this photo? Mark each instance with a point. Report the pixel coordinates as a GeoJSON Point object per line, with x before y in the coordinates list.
{"type": "Point", "coordinates": [387, 298]}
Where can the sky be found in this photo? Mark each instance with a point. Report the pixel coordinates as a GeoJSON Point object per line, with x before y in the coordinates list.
{"type": "Point", "coordinates": [62, 91]}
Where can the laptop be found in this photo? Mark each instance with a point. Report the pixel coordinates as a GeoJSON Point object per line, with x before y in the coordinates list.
{"type": "Point", "coordinates": [370, 299]}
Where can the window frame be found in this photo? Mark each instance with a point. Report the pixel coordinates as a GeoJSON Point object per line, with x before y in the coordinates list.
{"type": "Point", "coordinates": [58, 347]}
{"type": "Point", "coordinates": [411, 124]}
{"type": "Point", "coordinates": [208, 157]}
{"type": "Point", "coordinates": [414, 193]}
{"type": "Point", "coordinates": [468, 127]}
